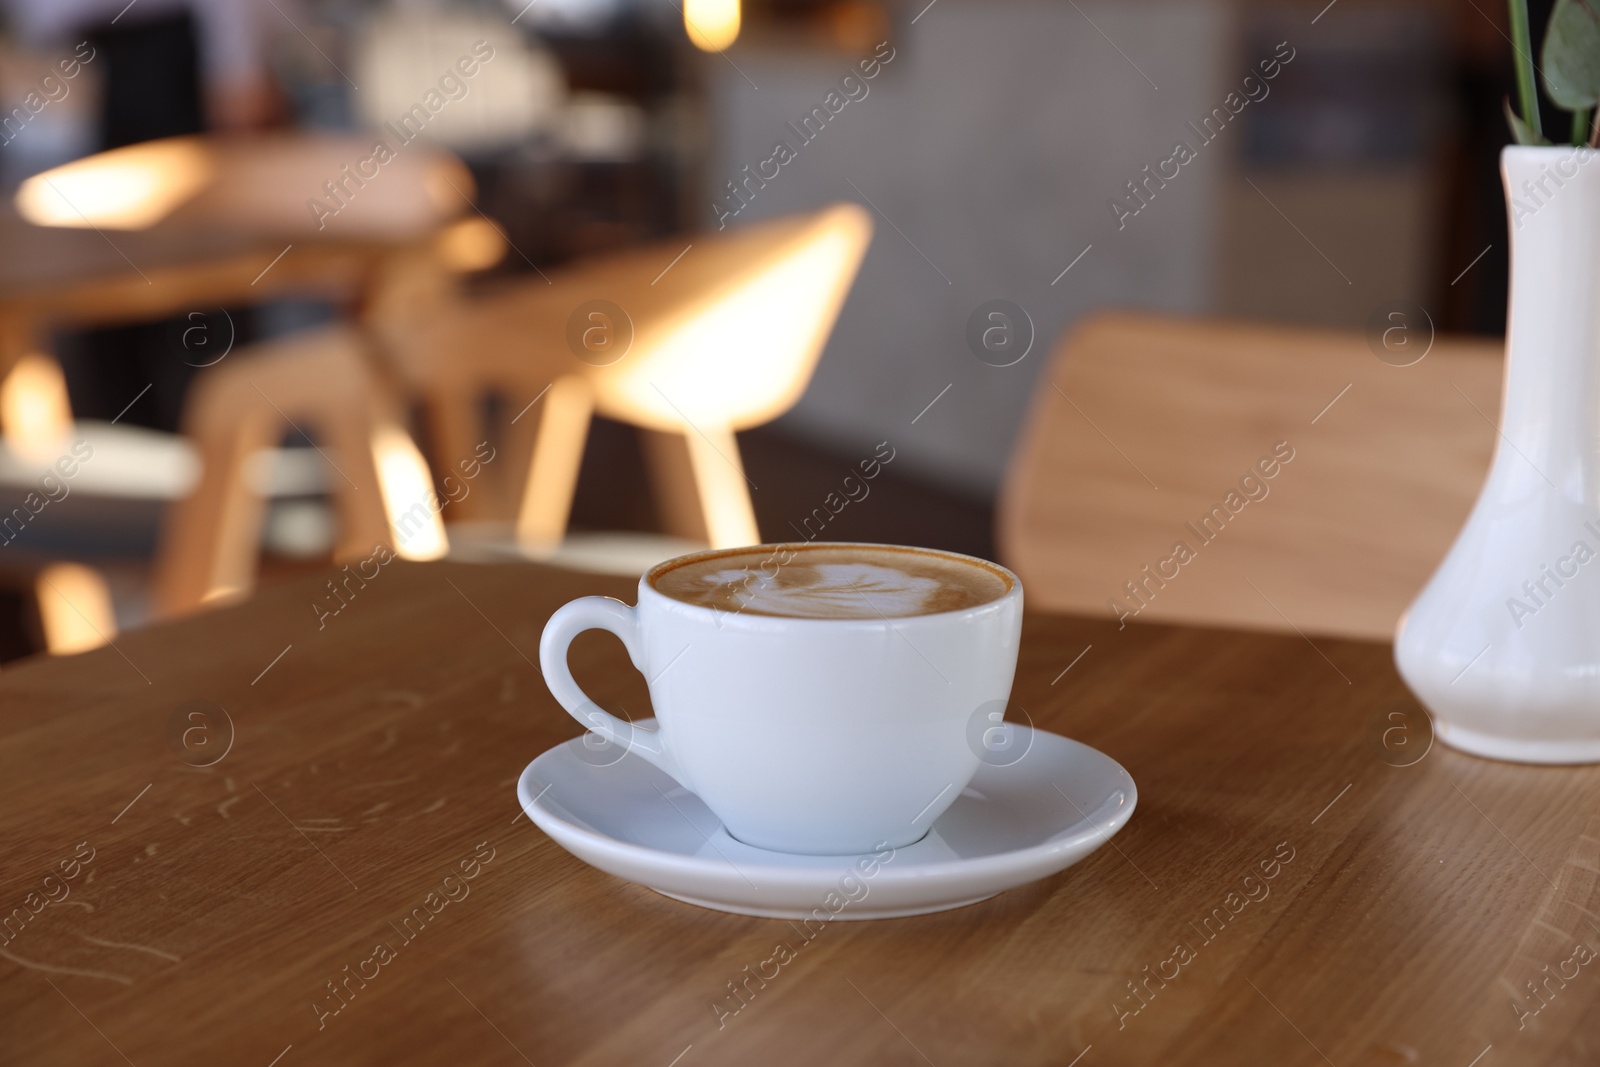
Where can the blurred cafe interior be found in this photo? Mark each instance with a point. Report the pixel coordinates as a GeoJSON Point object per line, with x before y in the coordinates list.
{"type": "Point", "coordinates": [395, 211]}
{"type": "Point", "coordinates": [1188, 317]}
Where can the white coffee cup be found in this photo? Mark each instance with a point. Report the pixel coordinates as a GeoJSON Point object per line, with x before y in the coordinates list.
{"type": "Point", "coordinates": [823, 736]}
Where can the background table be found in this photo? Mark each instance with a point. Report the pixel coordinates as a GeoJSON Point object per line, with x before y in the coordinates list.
{"type": "Point", "coordinates": [83, 277]}
{"type": "Point", "coordinates": [368, 759]}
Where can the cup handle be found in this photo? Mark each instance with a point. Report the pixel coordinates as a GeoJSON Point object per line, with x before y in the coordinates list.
{"type": "Point", "coordinates": [599, 613]}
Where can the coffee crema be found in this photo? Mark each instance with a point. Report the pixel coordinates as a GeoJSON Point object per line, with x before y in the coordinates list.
{"type": "Point", "coordinates": [832, 581]}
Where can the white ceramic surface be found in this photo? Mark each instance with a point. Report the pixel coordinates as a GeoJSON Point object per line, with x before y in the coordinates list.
{"type": "Point", "coordinates": [1503, 643]}
{"type": "Point", "coordinates": [805, 735]}
{"type": "Point", "coordinates": [1016, 822]}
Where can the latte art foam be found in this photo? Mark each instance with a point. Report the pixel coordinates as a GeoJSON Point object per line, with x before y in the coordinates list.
{"type": "Point", "coordinates": [832, 582]}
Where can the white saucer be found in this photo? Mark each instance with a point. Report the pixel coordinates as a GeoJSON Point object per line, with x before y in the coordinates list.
{"type": "Point", "coordinates": [1014, 824]}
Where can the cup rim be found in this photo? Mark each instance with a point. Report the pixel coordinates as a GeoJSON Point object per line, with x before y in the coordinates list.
{"type": "Point", "coordinates": [763, 621]}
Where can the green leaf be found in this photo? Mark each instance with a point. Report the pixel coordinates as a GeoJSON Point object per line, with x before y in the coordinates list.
{"type": "Point", "coordinates": [1520, 130]}
{"type": "Point", "coordinates": [1571, 54]}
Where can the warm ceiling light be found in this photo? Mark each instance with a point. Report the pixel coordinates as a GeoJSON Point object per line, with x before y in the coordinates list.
{"type": "Point", "coordinates": [33, 408]}
{"type": "Point", "coordinates": [124, 189]}
{"type": "Point", "coordinates": [712, 24]}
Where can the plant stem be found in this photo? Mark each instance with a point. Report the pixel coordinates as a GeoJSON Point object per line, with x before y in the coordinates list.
{"type": "Point", "coordinates": [1580, 127]}
{"type": "Point", "coordinates": [1522, 46]}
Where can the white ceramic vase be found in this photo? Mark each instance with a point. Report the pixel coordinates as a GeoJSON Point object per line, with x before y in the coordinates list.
{"type": "Point", "coordinates": [1503, 643]}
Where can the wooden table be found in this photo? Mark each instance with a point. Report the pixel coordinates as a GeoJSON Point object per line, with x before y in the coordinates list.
{"type": "Point", "coordinates": [229, 240]}
{"type": "Point", "coordinates": [83, 277]}
{"type": "Point", "coordinates": [370, 759]}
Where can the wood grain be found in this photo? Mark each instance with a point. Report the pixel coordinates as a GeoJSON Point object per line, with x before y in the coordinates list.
{"type": "Point", "coordinates": [372, 757]}
{"type": "Point", "coordinates": [1142, 427]}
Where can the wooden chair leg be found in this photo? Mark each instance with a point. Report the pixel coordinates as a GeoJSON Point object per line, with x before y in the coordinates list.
{"type": "Point", "coordinates": [409, 511]}
{"type": "Point", "coordinates": [517, 445]}
{"type": "Point", "coordinates": [364, 500]}
{"type": "Point", "coordinates": [18, 337]}
{"type": "Point", "coordinates": [212, 537]}
{"type": "Point", "coordinates": [75, 609]}
{"type": "Point", "coordinates": [557, 455]}
{"type": "Point", "coordinates": [35, 413]}
{"type": "Point", "coordinates": [677, 494]}
{"type": "Point", "coordinates": [456, 429]}
{"type": "Point", "coordinates": [724, 494]}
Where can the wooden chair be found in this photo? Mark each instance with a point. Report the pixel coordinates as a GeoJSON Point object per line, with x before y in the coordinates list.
{"type": "Point", "coordinates": [320, 383]}
{"type": "Point", "coordinates": [723, 340]}
{"type": "Point", "coordinates": [688, 344]}
{"type": "Point", "coordinates": [1141, 427]}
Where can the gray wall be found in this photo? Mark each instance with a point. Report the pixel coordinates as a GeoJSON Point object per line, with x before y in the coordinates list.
{"type": "Point", "coordinates": [994, 140]}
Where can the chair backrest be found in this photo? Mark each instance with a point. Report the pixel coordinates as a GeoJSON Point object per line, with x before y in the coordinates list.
{"type": "Point", "coordinates": [1244, 475]}
{"type": "Point", "coordinates": [726, 332]}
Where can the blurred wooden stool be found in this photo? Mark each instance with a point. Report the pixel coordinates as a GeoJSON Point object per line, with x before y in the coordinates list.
{"type": "Point", "coordinates": [689, 344]}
